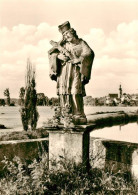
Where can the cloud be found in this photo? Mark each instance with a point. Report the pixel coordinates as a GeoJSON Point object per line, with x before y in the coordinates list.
{"type": "Point", "coordinates": [122, 43]}
{"type": "Point", "coordinates": [115, 57]}
{"type": "Point", "coordinates": [17, 45]}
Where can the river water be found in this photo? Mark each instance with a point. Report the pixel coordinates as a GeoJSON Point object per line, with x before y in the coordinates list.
{"type": "Point", "coordinates": [126, 133]}
{"type": "Point", "coordinates": [10, 116]}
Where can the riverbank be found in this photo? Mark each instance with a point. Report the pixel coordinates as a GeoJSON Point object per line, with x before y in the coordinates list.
{"type": "Point", "coordinates": [99, 119]}
{"type": "Point", "coordinates": [11, 119]}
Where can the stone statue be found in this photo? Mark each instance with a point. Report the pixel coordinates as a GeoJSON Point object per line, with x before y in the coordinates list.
{"type": "Point", "coordinates": [70, 65]}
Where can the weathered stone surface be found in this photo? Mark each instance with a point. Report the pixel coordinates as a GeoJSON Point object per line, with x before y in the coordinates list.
{"type": "Point", "coordinates": [65, 144]}
{"type": "Point", "coordinates": [134, 164]}
{"type": "Point", "coordinates": [72, 144]}
{"type": "Point", "coordinates": [109, 119]}
{"type": "Point", "coordinates": [70, 65]}
{"type": "Point", "coordinates": [27, 150]}
{"type": "Point", "coordinates": [116, 156]}
{"type": "Point", "coordinates": [97, 153]}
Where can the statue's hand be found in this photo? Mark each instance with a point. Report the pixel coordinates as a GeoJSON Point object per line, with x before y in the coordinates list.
{"type": "Point", "coordinates": [75, 61]}
{"type": "Point", "coordinates": [53, 43]}
{"type": "Point", "coordinates": [63, 57]}
{"type": "Point", "coordinates": [84, 79]}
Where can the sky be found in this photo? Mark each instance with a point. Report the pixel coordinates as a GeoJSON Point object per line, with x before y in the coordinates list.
{"type": "Point", "coordinates": [110, 27]}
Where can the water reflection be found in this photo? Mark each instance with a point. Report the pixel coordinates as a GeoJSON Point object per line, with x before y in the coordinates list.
{"type": "Point", "coordinates": [127, 133]}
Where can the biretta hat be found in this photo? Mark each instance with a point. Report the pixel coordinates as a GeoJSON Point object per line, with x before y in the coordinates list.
{"type": "Point", "coordinates": [64, 27]}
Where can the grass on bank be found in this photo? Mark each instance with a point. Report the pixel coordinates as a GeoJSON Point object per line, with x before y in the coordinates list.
{"type": "Point", "coordinates": [23, 135]}
{"type": "Point", "coordinates": [70, 179]}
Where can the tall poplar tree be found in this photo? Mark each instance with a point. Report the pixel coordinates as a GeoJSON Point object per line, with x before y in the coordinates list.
{"type": "Point", "coordinates": [29, 113]}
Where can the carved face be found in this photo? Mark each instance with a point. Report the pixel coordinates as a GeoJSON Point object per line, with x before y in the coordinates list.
{"type": "Point", "coordinates": [68, 36]}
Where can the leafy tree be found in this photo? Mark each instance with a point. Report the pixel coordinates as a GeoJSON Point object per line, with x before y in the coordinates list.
{"type": "Point", "coordinates": [21, 96]}
{"type": "Point", "coordinates": [7, 94]}
{"type": "Point", "coordinates": [53, 101]}
{"type": "Point", "coordinates": [29, 113]}
{"type": "Point", "coordinates": [2, 102]}
{"type": "Point", "coordinates": [47, 101]}
{"type": "Point", "coordinates": [41, 99]}
{"type": "Point", "coordinates": [12, 103]}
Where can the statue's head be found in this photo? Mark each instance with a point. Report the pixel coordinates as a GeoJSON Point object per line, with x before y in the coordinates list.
{"type": "Point", "coordinates": [64, 27]}
{"type": "Point", "coordinates": [67, 32]}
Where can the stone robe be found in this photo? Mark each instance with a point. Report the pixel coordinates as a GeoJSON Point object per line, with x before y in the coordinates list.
{"type": "Point", "coordinates": [69, 74]}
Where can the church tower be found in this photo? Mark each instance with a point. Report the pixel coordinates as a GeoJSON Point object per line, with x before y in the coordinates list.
{"type": "Point", "coordinates": [120, 90]}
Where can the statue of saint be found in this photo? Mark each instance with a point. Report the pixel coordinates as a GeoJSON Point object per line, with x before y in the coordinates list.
{"type": "Point", "coordinates": [70, 65]}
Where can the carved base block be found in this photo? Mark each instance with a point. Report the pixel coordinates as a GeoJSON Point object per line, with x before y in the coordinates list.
{"type": "Point", "coordinates": [69, 144]}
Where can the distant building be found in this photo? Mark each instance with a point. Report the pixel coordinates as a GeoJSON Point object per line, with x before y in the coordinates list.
{"type": "Point", "coordinates": [113, 95]}
{"type": "Point", "coordinates": [134, 99]}
{"type": "Point", "coordinates": [112, 99]}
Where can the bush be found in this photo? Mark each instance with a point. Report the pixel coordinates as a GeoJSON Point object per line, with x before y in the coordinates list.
{"type": "Point", "coordinates": [68, 180]}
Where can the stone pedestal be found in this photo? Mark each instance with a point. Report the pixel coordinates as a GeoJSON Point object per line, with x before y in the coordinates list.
{"type": "Point", "coordinates": [122, 156]}
{"type": "Point", "coordinates": [71, 144]}
{"type": "Point", "coordinates": [115, 156]}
